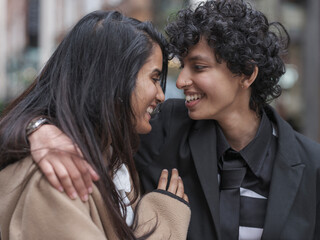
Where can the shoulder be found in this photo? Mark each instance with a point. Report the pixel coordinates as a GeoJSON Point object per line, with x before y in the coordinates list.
{"type": "Point", "coordinates": [16, 175]}
{"type": "Point", "coordinates": [310, 148]}
{"type": "Point", "coordinates": [24, 181]}
{"type": "Point", "coordinates": [298, 145]}
{"type": "Point", "coordinates": [38, 210]}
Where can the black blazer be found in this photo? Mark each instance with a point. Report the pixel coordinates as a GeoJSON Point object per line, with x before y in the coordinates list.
{"type": "Point", "coordinates": [176, 141]}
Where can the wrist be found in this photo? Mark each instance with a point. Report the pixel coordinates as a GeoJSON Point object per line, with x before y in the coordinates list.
{"type": "Point", "coordinates": [35, 124]}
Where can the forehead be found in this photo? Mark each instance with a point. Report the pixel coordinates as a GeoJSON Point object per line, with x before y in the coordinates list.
{"type": "Point", "coordinates": [154, 62]}
{"type": "Point", "coordinates": [200, 51]}
{"type": "Point", "coordinates": [155, 58]}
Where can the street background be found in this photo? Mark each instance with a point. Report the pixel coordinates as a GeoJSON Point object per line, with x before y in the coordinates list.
{"type": "Point", "coordinates": [31, 29]}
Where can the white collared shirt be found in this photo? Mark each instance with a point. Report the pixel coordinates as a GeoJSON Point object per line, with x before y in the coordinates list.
{"type": "Point", "coordinates": [121, 180]}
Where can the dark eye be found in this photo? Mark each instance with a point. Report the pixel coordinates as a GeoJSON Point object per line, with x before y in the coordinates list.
{"type": "Point", "coordinates": [199, 67]}
{"type": "Point", "coordinates": [156, 76]}
{"type": "Point", "coordinates": [156, 79]}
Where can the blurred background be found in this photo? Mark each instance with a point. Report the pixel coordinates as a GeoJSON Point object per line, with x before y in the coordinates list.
{"type": "Point", "coordinates": [31, 29]}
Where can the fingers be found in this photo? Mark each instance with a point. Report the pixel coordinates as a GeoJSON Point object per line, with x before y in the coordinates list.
{"type": "Point", "coordinates": [68, 173]}
{"type": "Point", "coordinates": [63, 175]}
{"type": "Point", "coordinates": [80, 171]}
{"type": "Point", "coordinates": [185, 197]}
{"type": "Point", "coordinates": [80, 176]}
{"type": "Point", "coordinates": [93, 174]}
{"type": "Point", "coordinates": [174, 181]}
{"type": "Point", "coordinates": [48, 171]}
{"type": "Point", "coordinates": [176, 184]}
{"type": "Point", "coordinates": [77, 174]}
{"type": "Point", "coordinates": [62, 162]}
{"type": "Point", "coordinates": [163, 180]}
{"type": "Point", "coordinates": [180, 189]}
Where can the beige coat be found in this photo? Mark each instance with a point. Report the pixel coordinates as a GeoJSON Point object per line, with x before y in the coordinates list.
{"type": "Point", "coordinates": [30, 208]}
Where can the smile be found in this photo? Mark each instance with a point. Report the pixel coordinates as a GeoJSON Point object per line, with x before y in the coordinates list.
{"type": "Point", "coordinates": [150, 110]}
{"type": "Point", "coordinates": [193, 97]}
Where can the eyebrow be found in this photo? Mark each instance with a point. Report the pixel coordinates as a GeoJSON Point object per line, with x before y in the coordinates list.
{"type": "Point", "coordinates": [156, 71]}
{"type": "Point", "coordinates": [198, 57]}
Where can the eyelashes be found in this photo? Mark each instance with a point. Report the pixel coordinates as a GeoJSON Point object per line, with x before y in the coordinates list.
{"type": "Point", "coordinates": [199, 67]}
{"type": "Point", "coordinates": [156, 79]}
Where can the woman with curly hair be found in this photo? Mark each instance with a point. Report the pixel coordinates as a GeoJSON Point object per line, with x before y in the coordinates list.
{"type": "Point", "coordinates": [247, 173]}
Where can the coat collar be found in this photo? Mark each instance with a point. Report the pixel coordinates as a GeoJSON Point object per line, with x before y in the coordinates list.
{"type": "Point", "coordinates": [286, 178]}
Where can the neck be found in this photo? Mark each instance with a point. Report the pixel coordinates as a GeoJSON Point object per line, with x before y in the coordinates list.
{"type": "Point", "coordinates": [240, 128]}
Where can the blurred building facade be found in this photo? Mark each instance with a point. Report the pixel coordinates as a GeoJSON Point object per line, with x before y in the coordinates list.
{"type": "Point", "coordinates": [31, 29]}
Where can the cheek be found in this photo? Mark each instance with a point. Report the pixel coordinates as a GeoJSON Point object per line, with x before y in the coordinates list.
{"type": "Point", "coordinates": [138, 97]}
{"type": "Point", "coordinates": [149, 94]}
{"type": "Point", "coordinates": [207, 85]}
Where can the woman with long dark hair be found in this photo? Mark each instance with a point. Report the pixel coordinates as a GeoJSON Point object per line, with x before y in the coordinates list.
{"type": "Point", "coordinates": [99, 87]}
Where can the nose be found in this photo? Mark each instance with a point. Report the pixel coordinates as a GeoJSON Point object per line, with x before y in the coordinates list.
{"type": "Point", "coordinates": [160, 95]}
{"type": "Point", "coordinates": [183, 79]}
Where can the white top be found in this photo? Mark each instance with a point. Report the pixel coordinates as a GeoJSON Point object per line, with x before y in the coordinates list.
{"type": "Point", "coordinates": [121, 180]}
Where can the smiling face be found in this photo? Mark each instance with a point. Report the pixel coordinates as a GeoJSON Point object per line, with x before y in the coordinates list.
{"type": "Point", "coordinates": [212, 91]}
{"type": "Point", "coordinates": [148, 92]}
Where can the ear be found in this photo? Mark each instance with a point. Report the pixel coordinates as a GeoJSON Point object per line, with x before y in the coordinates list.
{"type": "Point", "coordinates": [248, 80]}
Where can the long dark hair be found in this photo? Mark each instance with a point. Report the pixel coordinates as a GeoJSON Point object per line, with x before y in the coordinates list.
{"type": "Point", "coordinates": [85, 89]}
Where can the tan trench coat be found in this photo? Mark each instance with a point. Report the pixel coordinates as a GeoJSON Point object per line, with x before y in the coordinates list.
{"type": "Point", "coordinates": [30, 208]}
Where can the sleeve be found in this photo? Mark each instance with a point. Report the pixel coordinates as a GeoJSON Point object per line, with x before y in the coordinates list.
{"type": "Point", "coordinates": [163, 215]}
{"type": "Point", "coordinates": [45, 213]}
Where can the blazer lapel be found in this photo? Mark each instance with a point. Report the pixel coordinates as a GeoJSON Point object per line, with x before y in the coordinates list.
{"type": "Point", "coordinates": [286, 178]}
{"type": "Point", "coordinates": [202, 141]}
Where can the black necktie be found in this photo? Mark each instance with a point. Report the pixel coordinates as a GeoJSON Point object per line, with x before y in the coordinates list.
{"type": "Point", "coordinates": [232, 172]}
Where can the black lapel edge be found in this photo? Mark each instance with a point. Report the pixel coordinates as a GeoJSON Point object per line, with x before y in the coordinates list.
{"type": "Point", "coordinates": [202, 141]}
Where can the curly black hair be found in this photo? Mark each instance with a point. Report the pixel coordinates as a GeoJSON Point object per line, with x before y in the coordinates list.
{"type": "Point", "coordinates": [240, 36]}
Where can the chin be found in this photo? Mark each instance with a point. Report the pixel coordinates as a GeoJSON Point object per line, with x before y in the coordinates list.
{"type": "Point", "coordinates": [144, 129]}
{"type": "Point", "coordinates": [200, 115]}
{"type": "Point", "coordinates": [194, 116]}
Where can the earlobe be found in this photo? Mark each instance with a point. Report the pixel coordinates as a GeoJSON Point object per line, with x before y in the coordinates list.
{"type": "Point", "coordinates": [248, 80]}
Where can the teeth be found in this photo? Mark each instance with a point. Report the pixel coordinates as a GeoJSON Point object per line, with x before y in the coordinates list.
{"type": "Point", "coordinates": [149, 110]}
{"type": "Point", "coordinates": [193, 97]}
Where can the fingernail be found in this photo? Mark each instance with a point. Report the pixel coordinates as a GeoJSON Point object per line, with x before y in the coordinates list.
{"type": "Point", "coordinates": [165, 170]}
{"type": "Point", "coordinates": [90, 190]}
{"type": "Point", "coordinates": [61, 189]}
{"type": "Point", "coordinates": [85, 198]}
{"type": "Point", "coordinates": [74, 195]}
